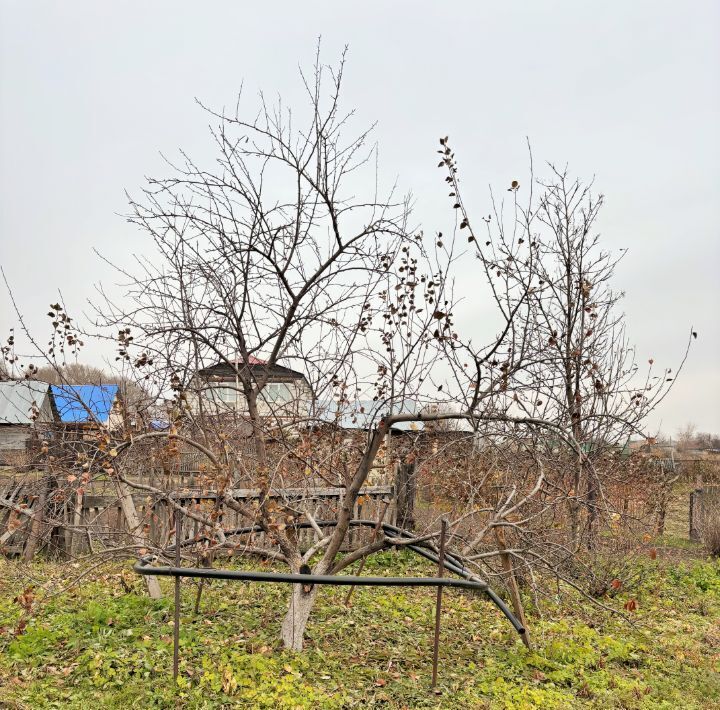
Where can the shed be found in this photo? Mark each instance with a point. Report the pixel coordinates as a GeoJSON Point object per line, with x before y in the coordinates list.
{"type": "Point", "coordinates": [365, 414]}
{"type": "Point", "coordinates": [87, 405]}
{"type": "Point", "coordinates": [23, 405]}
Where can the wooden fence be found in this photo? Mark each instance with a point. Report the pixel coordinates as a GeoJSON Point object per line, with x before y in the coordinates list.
{"type": "Point", "coordinates": [95, 520]}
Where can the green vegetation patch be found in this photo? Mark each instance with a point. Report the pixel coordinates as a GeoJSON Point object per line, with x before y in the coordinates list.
{"type": "Point", "coordinates": [103, 643]}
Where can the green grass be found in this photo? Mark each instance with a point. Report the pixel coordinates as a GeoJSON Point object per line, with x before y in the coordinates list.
{"type": "Point", "coordinates": [102, 646]}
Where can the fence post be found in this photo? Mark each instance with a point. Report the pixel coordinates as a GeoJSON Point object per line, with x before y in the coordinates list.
{"type": "Point", "coordinates": [438, 601]}
{"type": "Point", "coordinates": [695, 515]}
{"type": "Point", "coordinates": [36, 528]}
{"type": "Point", "coordinates": [75, 539]}
{"type": "Point", "coordinates": [405, 490]}
{"type": "Point", "coordinates": [134, 526]}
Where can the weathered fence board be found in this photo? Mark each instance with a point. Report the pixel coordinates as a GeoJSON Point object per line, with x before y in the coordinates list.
{"type": "Point", "coordinates": [102, 515]}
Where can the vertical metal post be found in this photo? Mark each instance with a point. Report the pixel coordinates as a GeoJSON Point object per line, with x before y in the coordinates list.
{"type": "Point", "coordinates": [438, 602]}
{"type": "Point", "coordinates": [204, 559]}
{"type": "Point", "coordinates": [176, 628]}
{"type": "Point", "coordinates": [200, 558]}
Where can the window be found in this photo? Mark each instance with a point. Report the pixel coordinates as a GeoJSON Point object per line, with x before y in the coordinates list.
{"type": "Point", "coordinates": [277, 393]}
{"type": "Point", "coordinates": [274, 394]}
{"type": "Point", "coordinates": [226, 395]}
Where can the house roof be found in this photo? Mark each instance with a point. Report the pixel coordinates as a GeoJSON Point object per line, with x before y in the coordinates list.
{"type": "Point", "coordinates": [275, 373]}
{"type": "Point", "coordinates": [77, 404]}
{"type": "Point", "coordinates": [17, 400]}
{"type": "Point", "coordinates": [252, 360]}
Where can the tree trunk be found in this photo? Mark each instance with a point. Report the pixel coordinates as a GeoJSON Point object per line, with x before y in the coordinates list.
{"type": "Point", "coordinates": [574, 506]}
{"type": "Point", "coordinates": [695, 515]}
{"type": "Point", "coordinates": [660, 516]}
{"type": "Point", "coordinates": [258, 434]}
{"type": "Point", "coordinates": [296, 618]}
{"type": "Point", "coordinates": [591, 504]}
{"type": "Point", "coordinates": [512, 584]}
{"type": "Point", "coordinates": [301, 603]}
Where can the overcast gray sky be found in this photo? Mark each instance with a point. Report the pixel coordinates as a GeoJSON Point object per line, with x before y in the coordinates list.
{"type": "Point", "coordinates": [628, 92]}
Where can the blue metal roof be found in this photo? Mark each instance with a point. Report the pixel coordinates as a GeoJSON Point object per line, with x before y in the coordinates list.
{"type": "Point", "coordinates": [84, 403]}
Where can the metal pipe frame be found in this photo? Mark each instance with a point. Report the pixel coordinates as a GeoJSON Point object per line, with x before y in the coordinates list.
{"type": "Point", "coordinates": [451, 563]}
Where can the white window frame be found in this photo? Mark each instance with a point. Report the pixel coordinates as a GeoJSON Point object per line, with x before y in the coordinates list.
{"type": "Point", "coordinates": [223, 394]}
{"type": "Point", "coordinates": [277, 393]}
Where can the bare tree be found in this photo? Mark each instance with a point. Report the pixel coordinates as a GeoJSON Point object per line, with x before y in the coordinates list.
{"type": "Point", "coordinates": [590, 380]}
{"type": "Point", "coordinates": [272, 257]}
{"type": "Point", "coordinates": [73, 373]}
{"type": "Point", "coordinates": [580, 370]}
{"type": "Point", "coordinates": [286, 252]}
{"type": "Point", "coordinates": [686, 436]}
{"type": "Point", "coordinates": [706, 440]}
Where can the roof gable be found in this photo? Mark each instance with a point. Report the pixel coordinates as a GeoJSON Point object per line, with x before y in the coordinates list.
{"type": "Point", "coordinates": [275, 373]}
{"type": "Point", "coordinates": [17, 399]}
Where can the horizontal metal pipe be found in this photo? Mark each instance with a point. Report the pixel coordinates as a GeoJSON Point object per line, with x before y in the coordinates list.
{"type": "Point", "coordinates": [289, 578]}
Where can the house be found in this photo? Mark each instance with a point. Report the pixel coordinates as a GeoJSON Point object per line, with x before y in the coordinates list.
{"type": "Point", "coordinates": [87, 406]}
{"type": "Point", "coordinates": [218, 390]}
{"type": "Point", "coordinates": [365, 414]}
{"type": "Point", "coordinates": [24, 405]}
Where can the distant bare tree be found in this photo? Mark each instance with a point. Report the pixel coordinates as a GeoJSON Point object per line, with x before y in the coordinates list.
{"type": "Point", "coordinates": [588, 379]}
{"type": "Point", "coordinates": [706, 440]}
{"type": "Point", "coordinates": [686, 436]}
{"type": "Point", "coordinates": [74, 373]}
